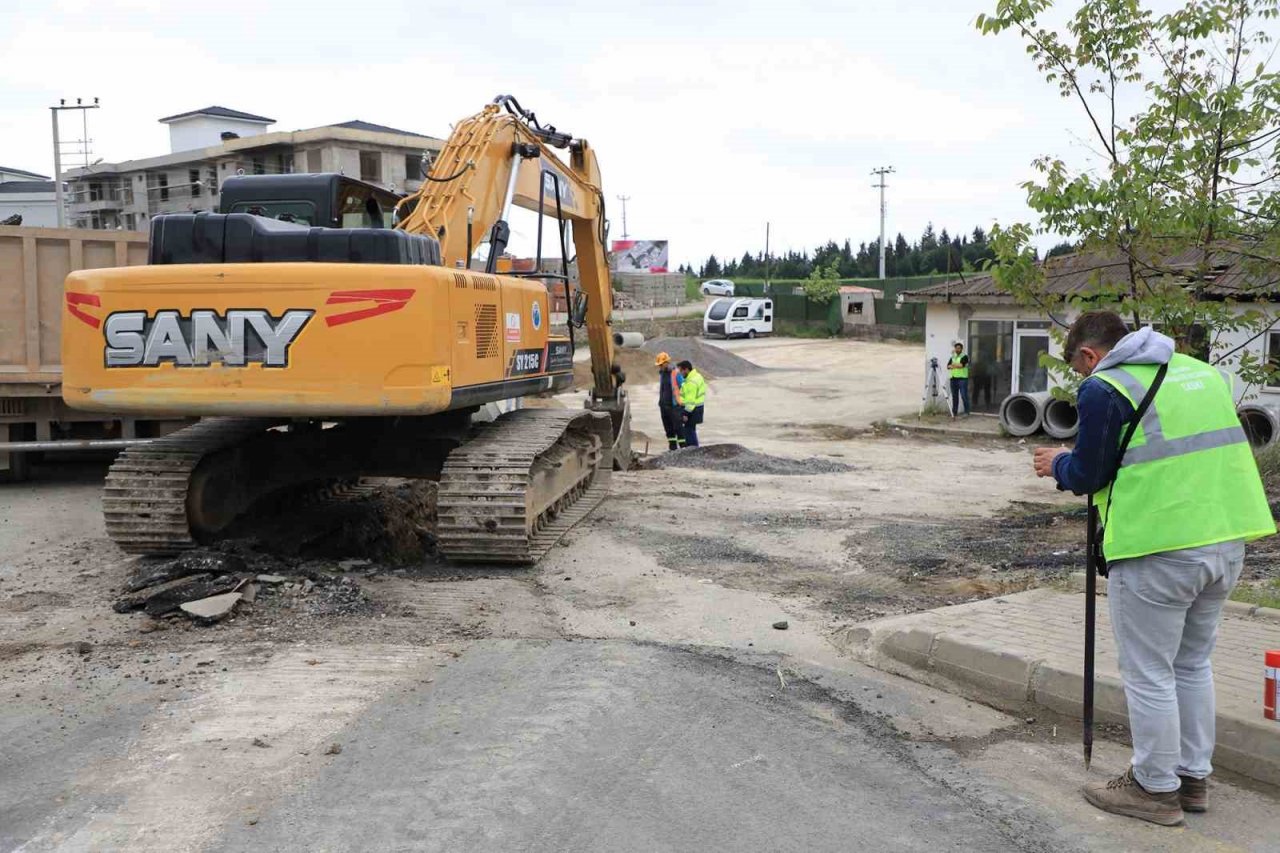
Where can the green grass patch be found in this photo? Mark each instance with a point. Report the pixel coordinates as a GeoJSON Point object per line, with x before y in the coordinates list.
{"type": "Point", "coordinates": [1263, 593]}
{"type": "Point", "coordinates": [691, 291]}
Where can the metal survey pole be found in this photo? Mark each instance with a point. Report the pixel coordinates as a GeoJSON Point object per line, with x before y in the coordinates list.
{"type": "Point", "coordinates": [1090, 621]}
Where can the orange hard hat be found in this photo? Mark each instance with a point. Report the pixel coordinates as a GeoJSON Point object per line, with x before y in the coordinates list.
{"type": "Point", "coordinates": [662, 359]}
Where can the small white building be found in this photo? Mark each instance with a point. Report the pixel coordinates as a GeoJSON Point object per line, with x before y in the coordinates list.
{"type": "Point", "coordinates": [1004, 340]}
{"type": "Point", "coordinates": [858, 305]}
{"type": "Point", "coordinates": [29, 195]}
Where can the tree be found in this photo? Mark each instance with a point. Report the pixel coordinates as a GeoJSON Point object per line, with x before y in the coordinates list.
{"type": "Point", "coordinates": [823, 283]}
{"type": "Point", "coordinates": [1177, 191]}
{"type": "Point", "coordinates": [712, 268]}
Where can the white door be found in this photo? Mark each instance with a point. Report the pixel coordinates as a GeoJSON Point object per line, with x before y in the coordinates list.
{"type": "Point", "coordinates": [1028, 375]}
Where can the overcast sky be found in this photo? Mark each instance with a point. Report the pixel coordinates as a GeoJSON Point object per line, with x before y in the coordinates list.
{"type": "Point", "coordinates": [714, 117]}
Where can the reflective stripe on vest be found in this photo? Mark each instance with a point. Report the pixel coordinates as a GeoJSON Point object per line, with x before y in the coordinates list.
{"type": "Point", "coordinates": [1188, 477]}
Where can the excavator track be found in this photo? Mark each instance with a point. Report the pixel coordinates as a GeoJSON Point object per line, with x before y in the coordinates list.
{"type": "Point", "coordinates": [511, 493]}
{"type": "Point", "coordinates": [144, 501]}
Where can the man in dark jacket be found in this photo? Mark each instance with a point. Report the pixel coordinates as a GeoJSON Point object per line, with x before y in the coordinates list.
{"type": "Point", "coordinates": [1176, 509]}
{"type": "Point", "coordinates": [669, 406]}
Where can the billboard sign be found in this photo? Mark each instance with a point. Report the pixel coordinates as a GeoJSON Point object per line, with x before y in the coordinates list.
{"type": "Point", "coordinates": [640, 256]}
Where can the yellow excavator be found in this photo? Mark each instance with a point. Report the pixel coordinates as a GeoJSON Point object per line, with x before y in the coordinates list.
{"type": "Point", "coordinates": [318, 345]}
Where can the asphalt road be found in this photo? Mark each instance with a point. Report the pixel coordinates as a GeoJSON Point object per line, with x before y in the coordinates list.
{"type": "Point", "coordinates": [605, 745]}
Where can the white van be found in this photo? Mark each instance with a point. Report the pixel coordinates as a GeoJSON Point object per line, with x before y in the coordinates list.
{"type": "Point", "coordinates": [730, 317]}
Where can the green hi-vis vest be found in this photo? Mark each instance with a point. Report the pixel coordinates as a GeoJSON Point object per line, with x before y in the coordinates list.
{"type": "Point", "coordinates": [1188, 478]}
{"type": "Point", "coordinates": [963, 372]}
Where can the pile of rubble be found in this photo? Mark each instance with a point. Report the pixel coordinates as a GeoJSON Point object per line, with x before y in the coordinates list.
{"type": "Point", "coordinates": [208, 586]}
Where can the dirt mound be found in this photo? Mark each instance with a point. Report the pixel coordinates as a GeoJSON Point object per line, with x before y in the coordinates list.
{"type": "Point", "coordinates": [712, 362]}
{"type": "Point", "coordinates": [736, 459]}
{"type": "Point", "coordinates": [384, 521]}
{"type": "Point", "coordinates": [636, 363]}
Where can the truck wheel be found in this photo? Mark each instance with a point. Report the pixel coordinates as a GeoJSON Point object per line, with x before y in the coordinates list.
{"type": "Point", "coordinates": [751, 334]}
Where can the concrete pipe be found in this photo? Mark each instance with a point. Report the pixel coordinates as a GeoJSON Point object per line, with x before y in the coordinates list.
{"type": "Point", "coordinates": [630, 340]}
{"type": "Point", "coordinates": [1022, 414]}
{"type": "Point", "coordinates": [1061, 420]}
{"type": "Point", "coordinates": [1261, 423]}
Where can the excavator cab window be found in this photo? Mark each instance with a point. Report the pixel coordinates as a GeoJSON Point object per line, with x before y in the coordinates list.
{"type": "Point", "coordinates": [303, 212]}
{"type": "Point", "coordinates": [579, 315]}
{"type": "Point", "coordinates": [360, 209]}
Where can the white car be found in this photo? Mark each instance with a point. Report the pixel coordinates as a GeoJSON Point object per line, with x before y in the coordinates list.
{"type": "Point", "coordinates": [717, 287]}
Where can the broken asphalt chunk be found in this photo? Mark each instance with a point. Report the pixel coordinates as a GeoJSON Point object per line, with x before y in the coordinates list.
{"type": "Point", "coordinates": [213, 608]}
{"type": "Point", "coordinates": [195, 563]}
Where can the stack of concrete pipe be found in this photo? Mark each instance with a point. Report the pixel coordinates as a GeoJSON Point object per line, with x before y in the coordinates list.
{"type": "Point", "coordinates": [1261, 423]}
{"type": "Point", "coordinates": [1024, 414]}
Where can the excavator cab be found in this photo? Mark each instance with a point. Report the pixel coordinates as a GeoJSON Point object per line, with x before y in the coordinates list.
{"type": "Point", "coordinates": [318, 200]}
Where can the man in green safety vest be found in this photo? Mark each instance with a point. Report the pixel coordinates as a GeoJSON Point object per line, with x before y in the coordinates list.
{"type": "Point", "coordinates": [958, 365]}
{"type": "Point", "coordinates": [693, 395]}
{"type": "Point", "coordinates": [1177, 507]}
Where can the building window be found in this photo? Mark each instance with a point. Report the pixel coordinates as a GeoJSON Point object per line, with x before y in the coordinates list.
{"type": "Point", "coordinates": [130, 222]}
{"type": "Point", "coordinates": [286, 164]}
{"type": "Point", "coordinates": [855, 307]}
{"type": "Point", "coordinates": [314, 164]}
{"type": "Point", "coordinates": [163, 183]}
{"type": "Point", "coordinates": [370, 166]}
{"type": "Point", "coordinates": [990, 353]}
{"type": "Point", "coordinates": [413, 167]}
{"type": "Point", "coordinates": [213, 181]}
{"type": "Point", "coordinates": [259, 167]}
{"type": "Point", "coordinates": [1273, 359]}
{"type": "Point", "coordinates": [194, 176]}
{"type": "Point", "coordinates": [95, 192]}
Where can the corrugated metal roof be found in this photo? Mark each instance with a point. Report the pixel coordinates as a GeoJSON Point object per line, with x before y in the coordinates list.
{"type": "Point", "coordinates": [357, 124]}
{"type": "Point", "coordinates": [28, 187]}
{"type": "Point", "coordinates": [12, 171]}
{"type": "Point", "coordinates": [1078, 274]}
{"type": "Point", "coordinates": [853, 288]}
{"type": "Point", "coordinates": [220, 112]}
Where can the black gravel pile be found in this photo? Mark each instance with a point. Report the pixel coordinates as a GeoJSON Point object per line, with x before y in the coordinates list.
{"type": "Point", "coordinates": [736, 459]}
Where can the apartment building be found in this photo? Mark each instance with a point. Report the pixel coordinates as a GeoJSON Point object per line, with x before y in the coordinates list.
{"type": "Point", "coordinates": [209, 145]}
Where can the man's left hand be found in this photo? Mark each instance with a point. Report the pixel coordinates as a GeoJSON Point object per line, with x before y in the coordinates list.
{"type": "Point", "coordinates": [1044, 459]}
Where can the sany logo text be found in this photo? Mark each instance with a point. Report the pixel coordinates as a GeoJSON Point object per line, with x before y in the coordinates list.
{"type": "Point", "coordinates": [241, 336]}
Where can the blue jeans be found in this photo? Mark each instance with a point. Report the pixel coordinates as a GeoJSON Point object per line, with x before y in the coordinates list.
{"type": "Point", "coordinates": [959, 391]}
{"type": "Point", "coordinates": [1165, 610]}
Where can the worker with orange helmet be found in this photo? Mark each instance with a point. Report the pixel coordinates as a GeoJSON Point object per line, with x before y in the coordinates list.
{"type": "Point", "coordinates": [669, 402]}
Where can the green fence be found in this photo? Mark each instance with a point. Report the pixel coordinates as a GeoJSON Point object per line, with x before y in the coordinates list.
{"type": "Point", "coordinates": [887, 309]}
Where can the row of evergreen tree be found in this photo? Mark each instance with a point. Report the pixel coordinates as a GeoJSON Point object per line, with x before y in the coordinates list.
{"type": "Point", "coordinates": [932, 254]}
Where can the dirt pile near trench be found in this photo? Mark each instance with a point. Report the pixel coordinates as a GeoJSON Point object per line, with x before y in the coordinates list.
{"type": "Point", "coordinates": [712, 362]}
{"type": "Point", "coordinates": [736, 459]}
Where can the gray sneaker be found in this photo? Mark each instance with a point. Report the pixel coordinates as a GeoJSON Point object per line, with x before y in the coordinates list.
{"type": "Point", "coordinates": [1194, 794]}
{"type": "Point", "coordinates": [1124, 796]}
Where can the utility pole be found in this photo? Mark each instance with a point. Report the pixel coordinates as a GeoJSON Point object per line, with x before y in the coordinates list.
{"type": "Point", "coordinates": [624, 199]}
{"type": "Point", "coordinates": [881, 172]}
{"type": "Point", "coordinates": [766, 257]}
{"type": "Point", "coordinates": [57, 149]}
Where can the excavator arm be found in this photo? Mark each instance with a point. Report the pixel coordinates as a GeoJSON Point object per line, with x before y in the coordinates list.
{"type": "Point", "coordinates": [502, 157]}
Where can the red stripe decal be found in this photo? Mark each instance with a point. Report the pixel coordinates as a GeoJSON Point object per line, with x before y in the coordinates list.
{"type": "Point", "coordinates": [385, 301]}
{"type": "Point", "coordinates": [76, 299]}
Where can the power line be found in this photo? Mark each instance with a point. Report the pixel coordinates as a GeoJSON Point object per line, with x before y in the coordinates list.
{"type": "Point", "coordinates": [57, 148]}
{"type": "Point", "coordinates": [624, 199]}
{"type": "Point", "coordinates": [881, 172]}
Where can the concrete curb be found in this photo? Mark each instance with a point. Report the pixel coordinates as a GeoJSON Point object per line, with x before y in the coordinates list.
{"type": "Point", "coordinates": [912, 647]}
{"type": "Point", "coordinates": [1235, 608]}
{"type": "Point", "coordinates": [897, 423]}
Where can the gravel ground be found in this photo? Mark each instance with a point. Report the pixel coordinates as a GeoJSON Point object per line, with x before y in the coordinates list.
{"type": "Point", "coordinates": [736, 459]}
